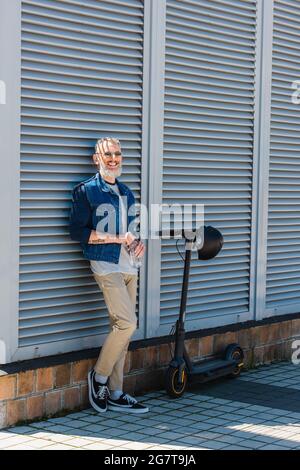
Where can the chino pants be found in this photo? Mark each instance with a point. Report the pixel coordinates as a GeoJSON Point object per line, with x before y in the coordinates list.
{"type": "Point", "coordinates": [119, 292]}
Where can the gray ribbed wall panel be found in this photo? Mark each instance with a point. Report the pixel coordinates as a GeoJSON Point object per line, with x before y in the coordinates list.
{"type": "Point", "coordinates": [208, 147]}
{"type": "Point", "coordinates": [82, 65]}
{"type": "Point", "coordinates": [283, 248]}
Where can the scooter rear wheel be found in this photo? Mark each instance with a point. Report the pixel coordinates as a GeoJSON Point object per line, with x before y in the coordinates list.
{"type": "Point", "coordinates": [173, 388]}
{"type": "Point", "coordinates": [235, 352]}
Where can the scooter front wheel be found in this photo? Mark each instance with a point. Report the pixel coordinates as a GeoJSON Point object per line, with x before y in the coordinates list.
{"type": "Point", "coordinates": [173, 388]}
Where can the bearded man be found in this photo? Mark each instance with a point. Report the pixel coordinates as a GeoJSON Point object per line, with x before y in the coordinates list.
{"type": "Point", "coordinates": [105, 245]}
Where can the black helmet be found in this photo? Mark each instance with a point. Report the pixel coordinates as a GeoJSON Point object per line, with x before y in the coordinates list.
{"type": "Point", "coordinates": [213, 242]}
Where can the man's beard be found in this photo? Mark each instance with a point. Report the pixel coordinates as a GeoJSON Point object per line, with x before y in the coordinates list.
{"type": "Point", "coordinates": [104, 171]}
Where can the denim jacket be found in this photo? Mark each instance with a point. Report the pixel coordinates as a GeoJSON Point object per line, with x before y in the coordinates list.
{"type": "Point", "coordinates": [86, 198]}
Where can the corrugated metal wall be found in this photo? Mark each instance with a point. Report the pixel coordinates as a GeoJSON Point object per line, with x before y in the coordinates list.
{"type": "Point", "coordinates": [82, 74]}
{"type": "Point", "coordinates": [283, 255]}
{"type": "Point", "coordinates": [208, 147]}
{"type": "Point", "coordinates": [82, 65]}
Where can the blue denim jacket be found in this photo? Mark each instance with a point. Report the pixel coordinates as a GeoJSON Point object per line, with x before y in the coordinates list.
{"type": "Point", "coordinates": [86, 198]}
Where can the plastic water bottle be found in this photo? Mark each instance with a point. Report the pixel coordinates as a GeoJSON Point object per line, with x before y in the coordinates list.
{"type": "Point", "coordinates": [135, 261]}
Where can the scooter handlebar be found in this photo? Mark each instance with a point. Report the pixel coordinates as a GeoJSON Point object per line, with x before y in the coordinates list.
{"type": "Point", "coordinates": [188, 234]}
{"type": "Point", "coordinates": [209, 244]}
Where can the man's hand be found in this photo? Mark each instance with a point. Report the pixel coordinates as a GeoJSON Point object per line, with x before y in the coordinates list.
{"type": "Point", "coordinates": [129, 238]}
{"type": "Point", "coordinates": [140, 250]}
{"type": "Point", "coordinates": [140, 247]}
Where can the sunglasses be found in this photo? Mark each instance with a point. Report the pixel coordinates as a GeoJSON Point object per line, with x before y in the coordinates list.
{"type": "Point", "coordinates": [110, 154]}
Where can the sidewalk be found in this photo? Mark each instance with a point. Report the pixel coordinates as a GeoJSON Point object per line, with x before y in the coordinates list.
{"type": "Point", "coordinates": [259, 410]}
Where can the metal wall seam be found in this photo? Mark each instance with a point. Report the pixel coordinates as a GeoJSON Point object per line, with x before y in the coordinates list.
{"type": "Point", "coordinates": [263, 136]}
{"type": "Point", "coordinates": [10, 99]}
{"type": "Point", "coordinates": [155, 155]}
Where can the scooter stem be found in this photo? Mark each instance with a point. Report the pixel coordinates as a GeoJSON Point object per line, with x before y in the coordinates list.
{"type": "Point", "coordinates": [185, 281]}
{"type": "Point", "coordinates": [180, 332]}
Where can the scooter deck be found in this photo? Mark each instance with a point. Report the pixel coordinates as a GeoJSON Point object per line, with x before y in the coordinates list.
{"type": "Point", "coordinates": [211, 369]}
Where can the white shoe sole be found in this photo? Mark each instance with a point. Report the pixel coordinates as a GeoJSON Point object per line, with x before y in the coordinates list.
{"type": "Point", "coordinates": [100, 410]}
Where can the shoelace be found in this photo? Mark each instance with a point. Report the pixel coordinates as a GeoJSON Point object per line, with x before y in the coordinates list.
{"type": "Point", "coordinates": [129, 399]}
{"type": "Point", "coordinates": [103, 392]}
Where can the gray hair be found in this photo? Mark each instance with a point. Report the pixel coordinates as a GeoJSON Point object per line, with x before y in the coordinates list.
{"type": "Point", "coordinates": [106, 139]}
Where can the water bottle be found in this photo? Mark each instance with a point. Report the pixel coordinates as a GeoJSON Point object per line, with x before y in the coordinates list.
{"type": "Point", "coordinates": [135, 261]}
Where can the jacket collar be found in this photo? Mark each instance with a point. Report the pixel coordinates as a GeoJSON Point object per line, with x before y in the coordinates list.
{"type": "Point", "coordinates": [105, 187]}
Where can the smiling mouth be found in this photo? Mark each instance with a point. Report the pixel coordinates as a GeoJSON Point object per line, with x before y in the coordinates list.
{"type": "Point", "coordinates": [112, 165]}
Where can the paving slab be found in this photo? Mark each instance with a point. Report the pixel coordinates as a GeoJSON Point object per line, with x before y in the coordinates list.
{"type": "Point", "coordinates": [258, 410]}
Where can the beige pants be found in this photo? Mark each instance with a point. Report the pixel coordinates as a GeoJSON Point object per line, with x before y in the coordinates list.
{"type": "Point", "coordinates": [119, 292]}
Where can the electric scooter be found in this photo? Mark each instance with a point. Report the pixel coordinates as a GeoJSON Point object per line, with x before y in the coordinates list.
{"type": "Point", "coordinates": [181, 369]}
